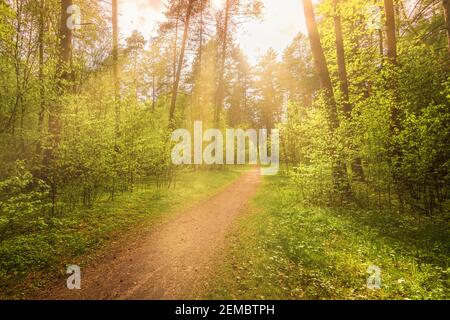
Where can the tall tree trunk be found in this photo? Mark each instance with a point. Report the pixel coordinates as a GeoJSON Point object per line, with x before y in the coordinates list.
{"type": "Point", "coordinates": [391, 40]}
{"type": "Point", "coordinates": [395, 153]}
{"type": "Point", "coordinates": [180, 64]}
{"type": "Point", "coordinates": [198, 90]}
{"type": "Point", "coordinates": [221, 87]}
{"type": "Point", "coordinates": [340, 177]}
{"type": "Point", "coordinates": [446, 4]}
{"type": "Point", "coordinates": [381, 42]}
{"type": "Point", "coordinates": [175, 45]}
{"type": "Point", "coordinates": [54, 119]}
{"type": "Point", "coordinates": [153, 91]}
{"type": "Point", "coordinates": [391, 35]}
{"type": "Point", "coordinates": [320, 61]}
{"type": "Point", "coordinates": [115, 55]}
{"type": "Point", "coordinates": [343, 79]}
{"type": "Point", "coordinates": [41, 77]}
{"type": "Point", "coordinates": [340, 54]}
{"type": "Point", "coordinates": [63, 73]}
{"type": "Point", "coordinates": [200, 48]}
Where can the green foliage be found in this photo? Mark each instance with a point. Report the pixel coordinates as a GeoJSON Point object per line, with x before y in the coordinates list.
{"type": "Point", "coordinates": [288, 250]}
{"type": "Point", "coordinates": [393, 147]}
{"type": "Point", "coordinates": [30, 259]}
{"type": "Point", "coordinates": [425, 164]}
{"type": "Point", "coordinates": [23, 200]}
{"type": "Point", "coordinates": [72, 148]}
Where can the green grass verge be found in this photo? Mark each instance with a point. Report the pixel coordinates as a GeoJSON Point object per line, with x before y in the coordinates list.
{"type": "Point", "coordinates": [285, 250]}
{"type": "Point", "coordinates": [30, 261]}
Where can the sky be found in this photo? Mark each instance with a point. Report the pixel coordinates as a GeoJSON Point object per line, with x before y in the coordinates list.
{"type": "Point", "coordinates": [281, 21]}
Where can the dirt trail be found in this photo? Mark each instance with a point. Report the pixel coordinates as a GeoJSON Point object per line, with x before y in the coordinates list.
{"type": "Point", "coordinates": [171, 262]}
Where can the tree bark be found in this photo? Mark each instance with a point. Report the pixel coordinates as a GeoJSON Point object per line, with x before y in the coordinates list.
{"type": "Point", "coordinates": [340, 54]}
{"type": "Point", "coordinates": [175, 44]}
{"type": "Point", "coordinates": [320, 61]}
{"type": "Point", "coordinates": [221, 87]}
{"type": "Point", "coordinates": [391, 36]}
{"type": "Point", "coordinates": [54, 119]}
{"type": "Point", "coordinates": [63, 73]}
{"type": "Point", "coordinates": [343, 78]}
{"type": "Point", "coordinates": [340, 177]}
{"type": "Point", "coordinates": [180, 63]}
{"type": "Point", "coordinates": [115, 56]}
{"type": "Point", "coordinates": [391, 39]}
{"type": "Point", "coordinates": [41, 77]}
{"type": "Point", "coordinates": [446, 4]}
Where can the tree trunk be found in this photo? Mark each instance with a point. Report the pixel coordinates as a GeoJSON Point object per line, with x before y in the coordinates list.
{"type": "Point", "coordinates": [63, 73]}
{"type": "Point", "coordinates": [153, 91]}
{"type": "Point", "coordinates": [340, 54]}
{"type": "Point", "coordinates": [446, 4]}
{"type": "Point", "coordinates": [340, 177]}
{"type": "Point", "coordinates": [391, 39]}
{"type": "Point", "coordinates": [175, 45]}
{"type": "Point", "coordinates": [115, 55]}
{"type": "Point", "coordinates": [221, 87]}
{"type": "Point", "coordinates": [395, 153]}
{"type": "Point", "coordinates": [342, 68]}
{"type": "Point", "coordinates": [320, 61]}
{"type": "Point", "coordinates": [180, 64]}
{"type": "Point", "coordinates": [54, 119]}
{"type": "Point", "coordinates": [391, 35]}
{"type": "Point", "coordinates": [41, 77]}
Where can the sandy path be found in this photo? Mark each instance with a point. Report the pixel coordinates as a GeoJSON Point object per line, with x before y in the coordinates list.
{"type": "Point", "coordinates": [171, 262]}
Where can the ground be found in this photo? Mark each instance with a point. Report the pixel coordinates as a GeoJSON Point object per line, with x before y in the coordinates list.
{"type": "Point", "coordinates": [173, 261]}
{"type": "Point", "coordinates": [236, 235]}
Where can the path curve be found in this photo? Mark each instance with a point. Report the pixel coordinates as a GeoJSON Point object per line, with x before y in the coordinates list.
{"type": "Point", "coordinates": [174, 260]}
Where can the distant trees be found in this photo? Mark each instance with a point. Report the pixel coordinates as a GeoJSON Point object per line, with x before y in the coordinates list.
{"type": "Point", "coordinates": [115, 58]}
{"type": "Point", "coordinates": [320, 61]}
{"type": "Point", "coordinates": [446, 5]}
{"type": "Point", "coordinates": [187, 19]}
{"type": "Point", "coordinates": [387, 93]}
{"type": "Point", "coordinates": [84, 114]}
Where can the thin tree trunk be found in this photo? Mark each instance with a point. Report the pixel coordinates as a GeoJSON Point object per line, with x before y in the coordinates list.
{"type": "Point", "coordinates": [200, 53]}
{"type": "Point", "coordinates": [446, 4]}
{"type": "Point", "coordinates": [180, 63]}
{"type": "Point", "coordinates": [175, 45]}
{"type": "Point", "coordinates": [381, 40]}
{"type": "Point", "coordinates": [41, 77]}
{"type": "Point", "coordinates": [63, 75]}
{"type": "Point", "coordinates": [153, 91]}
{"type": "Point", "coordinates": [54, 119]}
{"type": "Point", "coordinates": [343, 79]}
{"type": "Point", "coordinates": [340, 177]}
{"type": "Point", "coordinates": [340, 54]}
{"type": "Point", "coordinates": [391, 35]}
{"type": "Point", "coordinates": [115, 54]}
{"type": "Point", "coordinates": [395, 153]}
{"type": "Point", "coordinates": [391, 40]}
{"type": "Point", "coordinates": [320, 61]}
{"type": "Point", "coordinates": [221, 87]}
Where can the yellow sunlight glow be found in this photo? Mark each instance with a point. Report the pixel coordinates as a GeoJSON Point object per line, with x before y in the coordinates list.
{"type": "Point", "coordinates": [281, 21]}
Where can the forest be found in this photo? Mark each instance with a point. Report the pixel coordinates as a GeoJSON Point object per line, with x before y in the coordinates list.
{"type": "Point", "coordinates": [361, 100]}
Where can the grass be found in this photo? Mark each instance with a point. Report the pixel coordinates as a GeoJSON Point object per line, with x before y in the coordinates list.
{"type": "Point", "coordinates": [30, 261]}
{"type": "Point", "coordinates": [285, 250]}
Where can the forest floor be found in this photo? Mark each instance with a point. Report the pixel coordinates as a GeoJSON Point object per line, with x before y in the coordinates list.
{"type": "Point", "coordinates": [32, 259]}
{"type": "Point", "coordinates": [174, 260]}
{"type": "Point", "coordinates": [288, 248]}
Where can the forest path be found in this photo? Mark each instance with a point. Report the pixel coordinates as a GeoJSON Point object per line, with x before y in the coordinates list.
{"type": "Point", "coordinates": [174, 260]}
